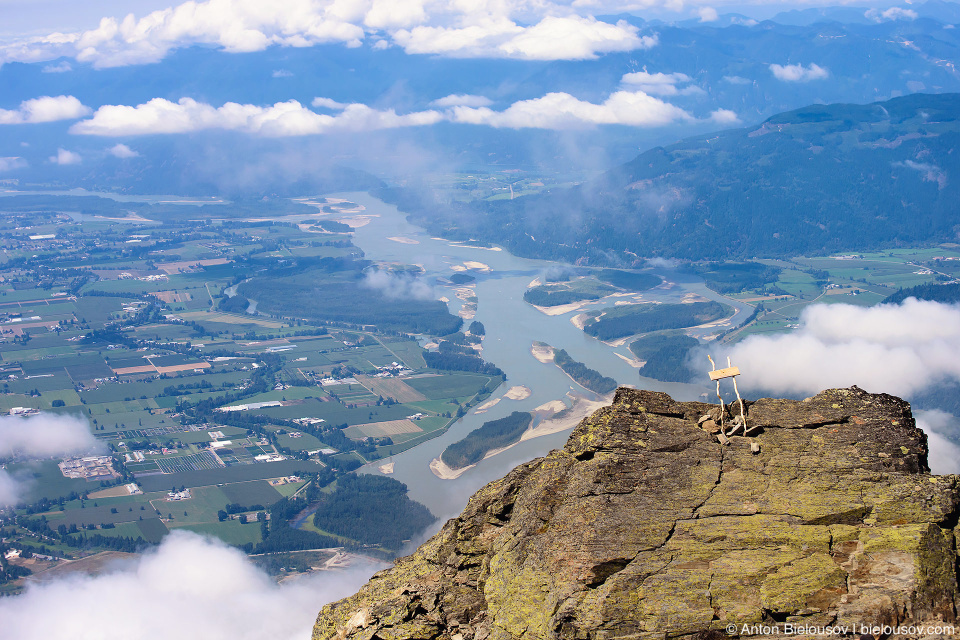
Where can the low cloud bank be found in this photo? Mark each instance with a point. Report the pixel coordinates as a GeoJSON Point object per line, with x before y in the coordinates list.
{"type": "Point", "coordinates": [897, 349]}
{"type": "Point", "coordinates": [944, 457]}
{"type": "Point", "coordinates": [190, 587]}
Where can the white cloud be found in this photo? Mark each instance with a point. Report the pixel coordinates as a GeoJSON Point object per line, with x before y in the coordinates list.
{"type": "Point", "coordinates": [724, 116]}
{"type": "Point", "coordinates": [327, 103]}
{"type": "Point", "coordinates": [189, 587]}
{"type": "Point", "coordinates": [65, 157]}
{"type": "Point", "coordinates": [526, 29]}
{"type": "Point", "coordinates": [563, 111]}
{"type": "Point", "coordinates": [798, 73]}
{"type": "Point", "coordinates": [707, 14]}
{"type": "Point", "coordinates": [574, 38]}
{"type": "Point", "coordinates": [737, 80]}
{"type": "Point", "coordinates": [944, 457]}
{"type": "Point", "coordinates": [281, 119]}
{"type": "Point", "coordinates": [660, 84]}
{"type": "Point", "coordinates": [61, 67]}
{"type": "Point", "coordinates": [40, 436]}
{"type": "Point", "coordinates": [398, 287]}
{"type": "Point", "coordinates": [122, 151]}
{"type": "Point", "coordinates": [893, 13]}
{"type": "Point", "coordinates": [45, 109]}
{"type": "Point", "coordinates": [462, 100]}
{"type": "Point", "coordinates": [12, 162]}
{"type": "Point", "coordinates": [898, 349]}
{"type": "Point", "coordinates": [281, 73]}
{"type": "Point", "coordinates": [45, 435]}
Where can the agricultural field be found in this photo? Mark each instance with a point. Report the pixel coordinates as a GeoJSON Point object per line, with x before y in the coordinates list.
{"type": "Point", "coordinates": [207, 390]}
{"type": "Point", "coordinates": [857, 279]}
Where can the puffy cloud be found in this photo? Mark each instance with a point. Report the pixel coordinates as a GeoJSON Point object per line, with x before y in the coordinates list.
{"type": "Point", "coordinates": [893, 13]}
{"type": "Point", "coordinates": [552, 111]}
{"type": "Point", "coordinates": [526, 29]}
{"type": "Point", "coordinates": [327, 103]}
{"type": "Point", "coordinates": [122, 151]}
{"type": "Point", "coordinates": [574, 38]}
{"type": "Point", "coordinates": [563, 111]}
{"type": "Point", "coordinates": [798, 73]}
{"type": "Point", "coordinates": [281, 119]}
{"type": "Point", "coordinates": [944, 457]}
{"type": "Point", "coordinates": [65, 157]}
{"type": "Point", "coordinates": [398, 286]}
{"type": "Point", "coordinates": [45, 435]}
{"type": "Point", "coordinates": [660, 84]}
{"type": "Point", "coordinates": [234, 25]}
{"type": "Point", "coordinates": [40, 436]}
{"type": "Point", "coordinates": [707, 14]}
{"type": "Point", "coordinates": [898, 349]}
{"type": "Point", "coordinates": [12, 162]}
{"type": "Point", "coordinates": [45, 109]}
{"type": "Point", "coordinates": [462, 100]}
{"type": "Point", "coordinates": [479, 39]}
{"type": "Point", "coordinates": [214, 591]}
{"type": "Point", "coordinates": [724, 116]}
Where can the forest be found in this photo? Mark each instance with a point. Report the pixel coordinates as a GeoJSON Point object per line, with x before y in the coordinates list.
{"type": "Point", "coordinates": [628, 320]}
{"type": "Point", "coordinates": [491, 435]}
{"type": "Point", "coordinates": [814, 187]}
{"type": "Point", "coordinates": [585, 376]}
{"type": "Point", "coordinates": [373, 510]}
{"type": "Point", "coordinates": [664, 356]}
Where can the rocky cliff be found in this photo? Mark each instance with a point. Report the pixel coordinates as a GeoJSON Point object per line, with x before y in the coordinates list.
{"type": "Point", "coordinates": [645, 526]}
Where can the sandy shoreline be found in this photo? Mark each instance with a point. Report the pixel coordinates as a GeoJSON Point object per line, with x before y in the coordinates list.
{"type": "Point", "coordinates": [580, 410]}
{"type": "Point", "coordinates": [559, 310]}
{"type": "Point", "coordinates": [543, 353]}
{"type": "Point", "coordinates": [633, 362]}
{"type": "Point", "coordinates": [579, 320]}
{"type": "Point", "coordinates": [403, 240]}
{"type": "Point", "coordinates": [487, 405]}
{"type": "Point", "coordinates": [517, 393]}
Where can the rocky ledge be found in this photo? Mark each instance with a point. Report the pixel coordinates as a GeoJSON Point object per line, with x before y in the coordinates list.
{"type": "Point", "coordinates": [645, 526]}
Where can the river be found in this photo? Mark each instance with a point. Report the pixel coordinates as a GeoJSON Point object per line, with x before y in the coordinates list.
{"type": "Point", "coordinates": [511, 326]}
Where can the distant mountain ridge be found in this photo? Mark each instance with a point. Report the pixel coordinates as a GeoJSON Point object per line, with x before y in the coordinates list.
{"type": "Point", "coordinates": [816, 180]}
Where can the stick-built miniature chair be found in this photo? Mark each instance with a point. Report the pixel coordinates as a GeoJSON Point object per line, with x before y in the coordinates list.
{"type": "Point", "coordinates": [739, 422]}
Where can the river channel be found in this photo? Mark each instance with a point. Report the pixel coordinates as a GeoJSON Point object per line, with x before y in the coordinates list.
{"type": "Point", "coordinates": [511, 326]}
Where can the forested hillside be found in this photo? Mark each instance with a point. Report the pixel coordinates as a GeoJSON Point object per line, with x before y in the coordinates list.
{"type": "Point", "coordinates": [816, 180]}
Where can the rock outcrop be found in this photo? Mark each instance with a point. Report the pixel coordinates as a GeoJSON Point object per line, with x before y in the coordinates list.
{"type": "Point", "coordinates": [644, 526]}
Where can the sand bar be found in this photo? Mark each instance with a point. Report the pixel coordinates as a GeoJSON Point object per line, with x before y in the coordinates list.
{"type": "Point", "coordinates": [580, 410]}
{"type": "Point", "coordinates": [561, 309]}
{"type": "Point", "coordinates": [487, 405]}
{"type": "Point", "coordinates": [517, 393]}
{"type": "Point", "coordinates": [542, 352]}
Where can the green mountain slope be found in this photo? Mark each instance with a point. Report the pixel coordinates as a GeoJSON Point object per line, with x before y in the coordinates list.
{"type": "Point", "coordinates": [820, 179]}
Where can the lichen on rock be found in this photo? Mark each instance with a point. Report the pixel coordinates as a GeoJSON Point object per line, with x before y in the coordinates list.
{"type": "Point", "coordinates": [644, 526]}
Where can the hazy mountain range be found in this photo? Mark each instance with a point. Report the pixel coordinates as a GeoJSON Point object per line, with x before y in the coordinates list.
{"type": "Point", "coordinates": [201, 118]}
{"type": "Point", "coordinates": [815, 180]}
